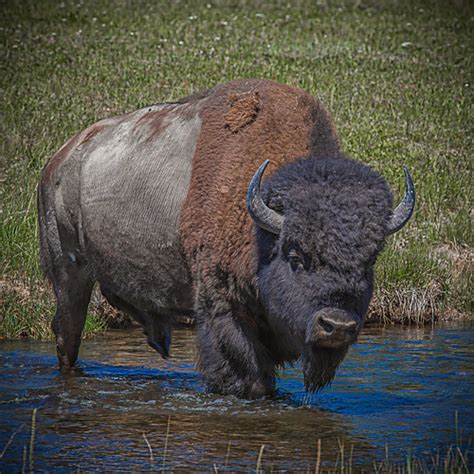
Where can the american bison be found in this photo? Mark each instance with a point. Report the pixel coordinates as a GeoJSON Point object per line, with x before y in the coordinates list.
{"type": "Point", "coordinates": [165, 209]}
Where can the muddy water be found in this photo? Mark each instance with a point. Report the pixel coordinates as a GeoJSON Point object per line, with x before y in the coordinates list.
{"type": "Point", "coordinates": [400, 387]}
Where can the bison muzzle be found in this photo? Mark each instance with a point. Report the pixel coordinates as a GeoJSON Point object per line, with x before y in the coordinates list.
{"type": "Point", "coordinates": [165, 209]}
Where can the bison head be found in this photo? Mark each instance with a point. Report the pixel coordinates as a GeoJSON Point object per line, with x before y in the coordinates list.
{"type": "Point", "coordinates": [320, 225]}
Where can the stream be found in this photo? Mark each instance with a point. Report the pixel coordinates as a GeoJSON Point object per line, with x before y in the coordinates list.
{"type": "Point", "coordinates": [399, 391]}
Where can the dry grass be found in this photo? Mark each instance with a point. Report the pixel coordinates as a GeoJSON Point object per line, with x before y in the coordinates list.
{"type": "Point", "coordinates": [406, 305]}
{"type": "Point", "coordinates": [27, 309]}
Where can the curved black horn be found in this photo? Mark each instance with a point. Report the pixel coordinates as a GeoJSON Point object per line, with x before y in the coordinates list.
{"type": "Point", "coordinates": [262, 215]}
{"type": "Point", "coordinates": [402, 213]}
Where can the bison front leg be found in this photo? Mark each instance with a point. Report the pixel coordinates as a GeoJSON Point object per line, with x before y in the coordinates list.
{"type": "Point", "coordinates": [231, 358]}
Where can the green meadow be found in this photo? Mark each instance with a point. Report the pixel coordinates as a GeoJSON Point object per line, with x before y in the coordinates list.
{"type": "Point", "coordinates": [397, 77]}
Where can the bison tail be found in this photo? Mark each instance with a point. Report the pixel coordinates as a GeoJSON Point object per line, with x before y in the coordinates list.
{"type": "Point", "coordinates": [47, 229]}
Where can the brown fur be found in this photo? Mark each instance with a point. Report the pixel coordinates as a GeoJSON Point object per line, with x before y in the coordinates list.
{"type": "Point", "coordinates": [244, 110]}
{"type": "Point", "coordinates": [243, 123]}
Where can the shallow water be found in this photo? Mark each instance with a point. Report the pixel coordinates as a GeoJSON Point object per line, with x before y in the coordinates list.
{"type": "Point", "coordinates": [400, 387]}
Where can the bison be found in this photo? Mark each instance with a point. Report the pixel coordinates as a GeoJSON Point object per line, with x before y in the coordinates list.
{"type": "Point", "coordinates": [165, 209]}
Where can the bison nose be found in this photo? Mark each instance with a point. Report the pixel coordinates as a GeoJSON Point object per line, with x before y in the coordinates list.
{"type": "Point", "coordinates": [334, 327]}
{"type": "Point", "coordinates": [330, 326]}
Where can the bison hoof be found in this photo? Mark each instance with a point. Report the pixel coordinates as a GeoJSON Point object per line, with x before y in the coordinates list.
{"type": "Point", "coordinates": [260, 390]}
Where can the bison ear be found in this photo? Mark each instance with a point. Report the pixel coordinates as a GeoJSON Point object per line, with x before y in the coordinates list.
{"type": "Point", "coordinates": [261, 214]}
{"type": "Point", "coordinates": [275, 201]}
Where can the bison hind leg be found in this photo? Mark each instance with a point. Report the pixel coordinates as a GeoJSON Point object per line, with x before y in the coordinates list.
{"type": "Point", "coordinates": [73, 287]}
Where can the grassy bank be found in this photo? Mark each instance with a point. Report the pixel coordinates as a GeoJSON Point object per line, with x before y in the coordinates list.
{"type": "Point", "coordinates": [396, 76]}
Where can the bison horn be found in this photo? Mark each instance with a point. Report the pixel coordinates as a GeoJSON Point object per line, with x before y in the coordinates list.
{"type": "Point", "coordinates": [262, 215]}
{"type": "Point", "coordinates": [402, 213]}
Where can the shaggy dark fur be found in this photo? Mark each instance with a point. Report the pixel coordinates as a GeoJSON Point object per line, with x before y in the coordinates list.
{"type": "Point", "coordinates": [336, 211]}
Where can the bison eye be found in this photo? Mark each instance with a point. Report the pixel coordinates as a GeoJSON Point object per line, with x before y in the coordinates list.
{"type": "Point", "coordinates": [296, 261]}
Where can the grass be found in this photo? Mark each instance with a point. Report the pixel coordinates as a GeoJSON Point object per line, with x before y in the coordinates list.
{"type": "Point", "coordinates": [396, 76]}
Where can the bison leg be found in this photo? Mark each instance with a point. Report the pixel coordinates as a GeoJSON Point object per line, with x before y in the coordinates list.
{"type": "Point", "coordinates": [73, 288]}
{"type": "Point", "coordinates": [231, 358]}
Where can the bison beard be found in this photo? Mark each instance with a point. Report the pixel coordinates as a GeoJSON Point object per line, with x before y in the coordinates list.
{"type": "Point", "coordinates": [320, 365]}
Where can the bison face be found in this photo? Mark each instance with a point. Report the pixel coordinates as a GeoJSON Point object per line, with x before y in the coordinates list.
{"type": "Point", "coordinates": [321, 225]}
{"type": "Point", "coordinates": [315, 308]}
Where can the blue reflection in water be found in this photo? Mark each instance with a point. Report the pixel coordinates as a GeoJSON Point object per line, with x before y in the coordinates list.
{"type": "Point", "coordinates": [399, 387]}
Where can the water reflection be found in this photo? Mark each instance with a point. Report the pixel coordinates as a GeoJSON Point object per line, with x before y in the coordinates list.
{"type": "Point", "coordinates": [397, 386]}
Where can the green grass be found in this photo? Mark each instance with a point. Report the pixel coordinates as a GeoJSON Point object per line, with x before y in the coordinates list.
{"type": "Point", "coordinates": [27, 310]}
{"type": "Point", "coordinates": [397, 77]}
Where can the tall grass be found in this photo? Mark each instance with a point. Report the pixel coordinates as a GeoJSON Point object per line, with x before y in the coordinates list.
{"type": "Point", "coordinates": [396, 76]}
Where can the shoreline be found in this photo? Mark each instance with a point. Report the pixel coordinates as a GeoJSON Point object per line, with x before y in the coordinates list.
{"type": "Point", "coordinates": [28, 309]}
